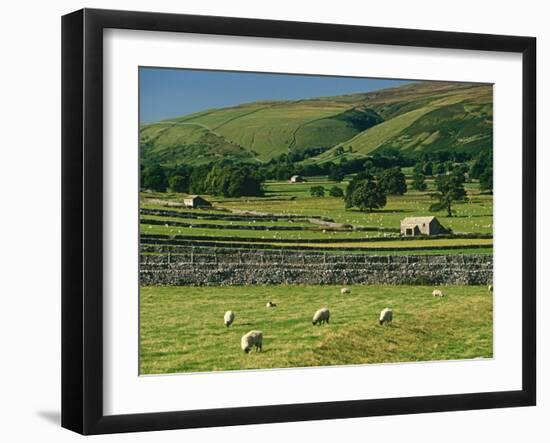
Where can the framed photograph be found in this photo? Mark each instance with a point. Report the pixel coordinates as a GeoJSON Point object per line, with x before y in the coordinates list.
{"type": "Point", "coordinates": [269, 221]}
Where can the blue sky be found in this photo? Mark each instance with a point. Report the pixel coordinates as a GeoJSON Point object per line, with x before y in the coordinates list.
{"type": "Point", "coordinates": [166, 93]}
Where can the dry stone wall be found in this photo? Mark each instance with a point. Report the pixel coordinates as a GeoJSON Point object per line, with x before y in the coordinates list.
{"type": "Point", "coordinates": [217, 266]}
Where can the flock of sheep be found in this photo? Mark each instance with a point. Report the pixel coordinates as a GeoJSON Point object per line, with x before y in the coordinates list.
{"type": "Point", "coordinates": [254, 339]}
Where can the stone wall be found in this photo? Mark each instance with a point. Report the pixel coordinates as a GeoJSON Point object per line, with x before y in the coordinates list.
{"type": "Point", "coordinates": [217, 266]}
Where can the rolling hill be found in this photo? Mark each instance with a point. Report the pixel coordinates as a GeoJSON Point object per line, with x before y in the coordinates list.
{"type": "Point", "coordinates": [414, 117]}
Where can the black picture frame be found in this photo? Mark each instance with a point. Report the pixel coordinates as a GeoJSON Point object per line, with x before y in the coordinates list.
{"type": "Point", "coordinates": [82, 218]}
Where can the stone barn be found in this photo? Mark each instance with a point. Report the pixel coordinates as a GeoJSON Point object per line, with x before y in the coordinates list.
{"type": "Point", "coordinates": [196, 201]}
{"type": "Point", "coordinates": [413, 226]}
{"type": "Point", "coordinates": [297, 179]}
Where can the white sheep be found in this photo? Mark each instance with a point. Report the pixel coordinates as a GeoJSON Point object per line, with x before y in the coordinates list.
{"type": "Point", "coordinates": [252, 339]}
{"type": "Point", "coordinates": [270, 304]}
{"type": "Point", "coordinates": [345, 291]}
{"type": "Point", "coordinates": [490, 288]}
{"type": "Point", "coordinates": [386, 316]}
{"type": "Point", "coordinates": [437, 293]}
{"type": "Point", "coordinates": [228, 318]}
{"type": "Point", "coordinates": [321, 316]}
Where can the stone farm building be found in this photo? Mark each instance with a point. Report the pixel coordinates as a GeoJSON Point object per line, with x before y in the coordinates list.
{"type": "Point", "coordinates": [413, 226]}
{"type": "Point", "coordinates": [196, 201]}
{"type": "Point", "coordinates": [297, 179]}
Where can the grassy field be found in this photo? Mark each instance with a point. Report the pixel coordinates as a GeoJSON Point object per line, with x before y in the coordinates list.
{"type": "Point", "coordinates": [293, 199]}
{"type": "Point", "coordinates": [182, 330]}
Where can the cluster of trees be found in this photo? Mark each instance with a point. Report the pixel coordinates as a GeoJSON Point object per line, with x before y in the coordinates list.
{"type": "Point", "coordinates": [367, 191]}
{"type": "Point", "coordinates": [431, 163]}
{"type": "Point", "coordinates": [482, 169]}
{"type": "Point", "coordinates": [287, 165]}
{"type": "Point", "coordinates": [319, 191]}
{"type": "Point", "coordinates": [376, 176]}
{"type": "Point", "coordinates": [224, 179]}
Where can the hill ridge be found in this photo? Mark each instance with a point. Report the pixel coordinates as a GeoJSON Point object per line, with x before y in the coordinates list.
{"type": "Point", "coordinates": [412, 117]}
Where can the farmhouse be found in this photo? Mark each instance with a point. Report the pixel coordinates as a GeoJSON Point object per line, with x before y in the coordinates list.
{"type": "Point", "coordinates": [297, 179]}
{"type": "Point", "coordinates": [196, 201]}
{"type": "Point", "coordinates": [413, 226]}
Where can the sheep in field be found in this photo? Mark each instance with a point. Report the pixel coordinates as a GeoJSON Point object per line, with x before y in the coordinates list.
{"type": "Point", "coordinates": [253, 339]}
{"type": "Point", "coordinates": [437, 293]}
{"type": "Point", "coordinates": [345, 291]}
{"type": "Point", "coordinates": [386, 316]}
{"type": "Point", "coordinates": [228, 318]}
{"type": "Point", "coordinates": [321, 316]}
{"type": "Point", "coordinates": [270, 304]}
{"type": "Point", "coordinates": [490, 288]}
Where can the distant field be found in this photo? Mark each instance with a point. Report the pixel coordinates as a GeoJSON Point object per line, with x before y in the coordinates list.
{"type": "Point", "coordinates": [283, 198]}
{"type": "Point", "coordinates": [181, 328]}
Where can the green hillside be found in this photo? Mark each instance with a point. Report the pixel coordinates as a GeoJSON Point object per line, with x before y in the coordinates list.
{"type": "Point", "coordinates": [182, 142]}
{"type": "Point", "coordinates": [459, 117]}
{"type": "Point", "coordinates": [418, 116]}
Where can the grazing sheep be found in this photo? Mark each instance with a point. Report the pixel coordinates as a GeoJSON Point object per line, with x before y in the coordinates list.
{"type": "Point", "coordinates": [228, 318]}
{"type": "Point", "coordinates": [345, 291]}
{"type": "Point", "coordinates": [270, 304]}
{"type": "Point", "coordinates": [321, 316]}
{"type": "Point", "coordinates": [251, 340]}
{"type": "Point", "coordinates": [386, 316]}
{"type": "Point", "coordinates": [437, 293]}
{"type": "Point", "coordinates": [490, 288]}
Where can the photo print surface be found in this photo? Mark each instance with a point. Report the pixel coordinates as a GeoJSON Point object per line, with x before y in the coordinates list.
{"type": "Point", "coordinates": [292, 221]}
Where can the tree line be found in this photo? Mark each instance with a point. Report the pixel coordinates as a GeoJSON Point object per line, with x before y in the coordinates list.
{"type": "Point", "coordinates": [375, 177]}
{"type": "Point", "coordinates": [222, 179]}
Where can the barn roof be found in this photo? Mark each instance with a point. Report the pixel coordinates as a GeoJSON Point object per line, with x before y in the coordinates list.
{"type": "Point", "coordinates": [417, 220]}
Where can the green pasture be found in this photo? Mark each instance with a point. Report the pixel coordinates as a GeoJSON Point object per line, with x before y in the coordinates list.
{"type": "Point", "coordinates": [317, 234]}
{"type": "Point", "coordinates": [284, 198]}
{"type": "Point", "coordinates": [246, 223]}
{"type": "Point", "coordinates": [473, 216]}
{"type": "Point", "coordinates": [182, 330]}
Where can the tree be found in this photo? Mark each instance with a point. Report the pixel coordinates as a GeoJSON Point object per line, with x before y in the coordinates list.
{"type": "Point", "coordinates": [232, 181]}
{"type": "Point", "coordinates": [427, 168]}
{"type": "Point", "coordinates": [419, 182]}
{"type": "Point", "coordinates": [178, 183]}
{"type": "Point", "coordinates": [368, 166]}
{"type": "Point", "coordinates": [335, 191]}
{"type": "Point", "coordinates": [197, 179]}
{"type": "Point", "coordinates": [483, 162]}
{"type": "Point", "coordinates": [448, 165]}
{"type": "Point", "coordinates": [486, 180]}
{"type": "Point", "coordinates": [450, 189]}
{"type": "Point", "coordinates": [439, 168]}
{"type": "Point", "coordinates": [353, 184]}
{"type": "Point", "coordinates": [393, 181]}
{"type": "Point", "coordinates": [336, 174]}
{"type": "Point", "coordinates": [366, 194]}
{"type": "Point", "coordinates": [317, 191]}
{"type": "Point", "coordinates": [154, 178]}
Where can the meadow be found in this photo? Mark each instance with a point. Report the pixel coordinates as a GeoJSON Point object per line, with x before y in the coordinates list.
{"type": "Point", "coordinates": [182, 330]}
{"type": "Point", "coordinates": [361, 230]}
